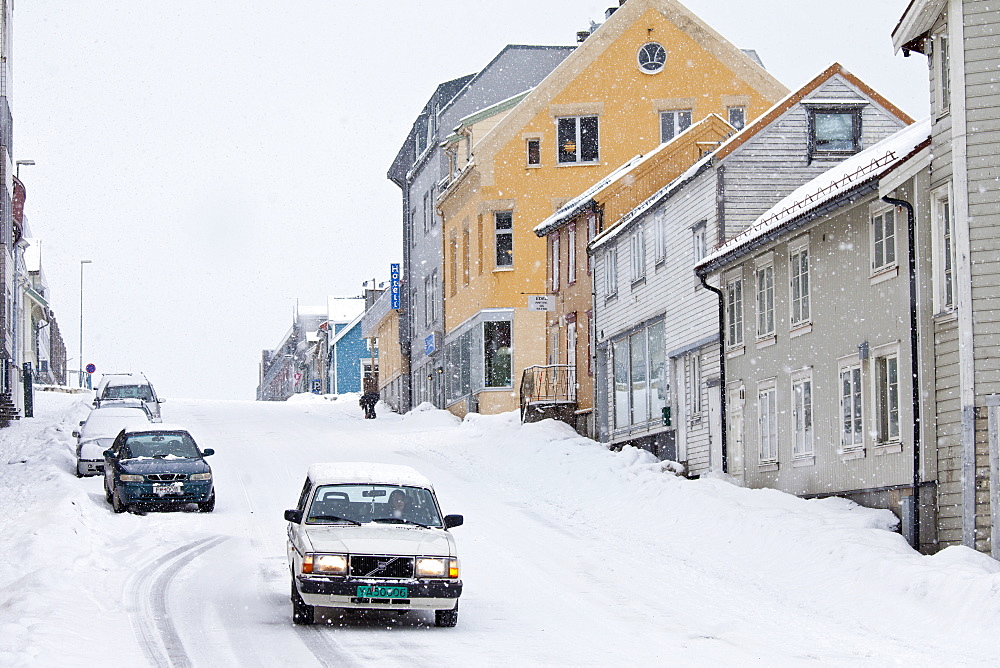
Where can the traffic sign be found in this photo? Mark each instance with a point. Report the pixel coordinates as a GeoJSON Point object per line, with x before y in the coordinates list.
{"type": "Point", "coordinates": [91, 368]}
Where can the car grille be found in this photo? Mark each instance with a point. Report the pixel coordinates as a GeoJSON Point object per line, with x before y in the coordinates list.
{"type": "Point", "coordinates": [381, 566]}
{"type": "Point", "coordinates": [166, 477]}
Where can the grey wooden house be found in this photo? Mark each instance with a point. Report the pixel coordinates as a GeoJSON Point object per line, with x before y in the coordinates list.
{"type": "Point", "coordinates": [656, 327]}
{"type": "Point", "coordinates": [959, 38]}
{"type": "Point", "coordinates": [827, 337]}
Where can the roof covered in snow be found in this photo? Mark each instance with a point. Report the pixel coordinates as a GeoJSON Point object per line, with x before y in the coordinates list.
{"type": "Point", "coordinates": [367, 473]}
{"type": "Point", "coordinates": [868, 165]}
{"type": "Point", "coordinates": [344, 309]}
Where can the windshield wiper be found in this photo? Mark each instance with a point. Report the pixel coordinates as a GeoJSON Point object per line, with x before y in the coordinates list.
{"type": "Point", "coordinates": [399, 520]}
{"type": "Point", "coordinates": [333, 518]}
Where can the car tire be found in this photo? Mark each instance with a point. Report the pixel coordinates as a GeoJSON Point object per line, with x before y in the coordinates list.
{"type": "Point", "coordinates": [116, 502]}
{"type": "Point", "coordinates": [302, 613]}
{"type": "Point", "coordinates": [207, 506]}
{"type": "Point", "coordinates": [447, 618]}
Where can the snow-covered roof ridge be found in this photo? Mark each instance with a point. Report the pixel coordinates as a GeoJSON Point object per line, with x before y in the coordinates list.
{"type": "Point", "coordinates": [651, 201]}
{"type": "Point", "coordinates": [867, 165]}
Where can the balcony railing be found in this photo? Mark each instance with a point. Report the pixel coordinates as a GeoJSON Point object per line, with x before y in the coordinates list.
{"type": "Point", "coordinates": [551, 384]}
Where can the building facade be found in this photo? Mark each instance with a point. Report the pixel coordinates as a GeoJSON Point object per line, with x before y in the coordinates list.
{"type": "Point", "coordinates": [647, 72]}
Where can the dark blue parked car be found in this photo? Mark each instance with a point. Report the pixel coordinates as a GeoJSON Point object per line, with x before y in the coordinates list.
{"type": "Point", "coordinates": [156, 466]}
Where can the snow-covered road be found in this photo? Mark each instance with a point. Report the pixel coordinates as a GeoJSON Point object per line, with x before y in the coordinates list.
{"type": "Point", "coordinates": [571, 554]}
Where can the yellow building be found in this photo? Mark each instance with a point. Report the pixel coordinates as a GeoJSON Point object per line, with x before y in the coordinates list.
{"type": "Point", "coordinates": [650, 71]}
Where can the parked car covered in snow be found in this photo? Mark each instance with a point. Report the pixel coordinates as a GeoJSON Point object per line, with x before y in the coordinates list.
{"type": "Point", "coordinates": [157, 466]}
{"type": "Point", "coordinates": [118, 386]}
{"type": "Point", "coordinates": [98, 432]}
{"type": "Point", "coordinates": [371, 536]}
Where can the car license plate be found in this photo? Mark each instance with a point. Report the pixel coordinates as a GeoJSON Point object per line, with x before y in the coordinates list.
{"type": "Point", "coordinates": [378, 591]}
{"type": "Point", "coordinates": [172, 488]}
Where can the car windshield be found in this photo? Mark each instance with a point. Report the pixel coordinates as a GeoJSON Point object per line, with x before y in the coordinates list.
{"type": "Point", "coordinates": [164, 445]}
{"type": "Point", "coordinates": [128, 392]}
{"type": "Point", "coordinates": [359, 504]}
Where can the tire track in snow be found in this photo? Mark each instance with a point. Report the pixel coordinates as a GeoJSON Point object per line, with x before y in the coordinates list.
{"type": "Point", "coordinates": [147, 604]}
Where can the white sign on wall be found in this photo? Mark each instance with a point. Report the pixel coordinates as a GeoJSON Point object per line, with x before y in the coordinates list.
{"type": "Point", "coordinates": [541, 303]}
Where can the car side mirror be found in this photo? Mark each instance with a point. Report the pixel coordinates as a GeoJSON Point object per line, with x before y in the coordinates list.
{"type": "Point", "coordinates": [161, 401]}
{"type": "Point", "coordinates": [83, 422]}
{"type": "Point", "coordinates": [207, 452]}
{"type": "Point", "coordinates": [108, 454]}
{"type": "Point", "coordinates": [293, 516]}
{"type": "Point", "coordinates": [453, 521]}
{"type": "Point", "coordinates": [76, 434]}
{"type": "Point", "coordinates": [95, 402]}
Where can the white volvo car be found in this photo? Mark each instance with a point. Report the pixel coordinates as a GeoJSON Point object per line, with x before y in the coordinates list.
{"type": "Point", "coordinates": [371, 536]}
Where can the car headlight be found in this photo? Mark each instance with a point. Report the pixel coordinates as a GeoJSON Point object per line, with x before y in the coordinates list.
{"type": "Point", "coordinates": [130, 477]}
{"type": "Point", "coordinates": [201, 476]}
{"type": "Point", "coordinates": [437, 567]}
{"type": "Point", "coordinates": [327, 564]}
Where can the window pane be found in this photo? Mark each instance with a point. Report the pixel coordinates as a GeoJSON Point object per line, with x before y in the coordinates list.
{"type": "Point", "coordinates": [666, 126]}
{"type": "Point", "coordinates": [658, 385]}
{"type": "Point", "coordinates": [640, 408]}
{"type": "Point", "coordinates": [621, 393]}
{"type": "Point", "coordinates": [497, 353]}
{"type": "Point", "coordinates": [534, 152]}
{"type": "Point", "coordinates": [834, 131]}
{"type": "Point", "coordinates": [588, 139]}
{"type": "Point", "coordinates": [567, 139]}
{"type": "Point", "coordinates": [683, 121]}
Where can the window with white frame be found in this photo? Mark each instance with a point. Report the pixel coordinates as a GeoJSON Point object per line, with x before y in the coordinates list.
{"type": "Point", "coordinates": [503, 225]}
{"type": "Point", "coordinates": [571, 341]}
{"type": "Point", "coordinates": [554, 345]}
{"type": "Point", "coordinates": [637, 255]}
{"type": "Point", "coordinates": [692, 387]}
{"type": "Point", "coordinates": [571, 254]}
{"type": "Point", "coordinates": [674, 122]}
{"type": "Point", "coordinates": [700, 240]}
{"type": "Point", "coordinates": [765, 300]}
{"type": "Point", "coordinates": [883, 236]}
{"type": "Point", "coordinates": [767, 421]}
{"type": "Point", "coordinates": [944, 251]}
{"type": "Point", "coordinates": [639, 377]}
{"type": "Point", "coordinates": [798, 272]}
{"type": "Point", "coordinates": [734, 311]}
{"type": "Point", "coordinates": [611, 271]}
{"type": "Point", "coordinates": [578, 139]}
{"type": "Point", "coordinates": [942, 69]}
{"type": "Point", "coordinates": [620, 361]}
{"type": "Point", "coordinates": [555, 259]}
{"type": "Point", "coordinates": [852, 435]}
{"type": "Point", "coordinates": [427, 211]}
{"type": "Point", "coordinates": [534, 149]}
{"type": "Point", "coordinates": [738, 117]}
{"type": "Point", "coordinates": [660, 232]}
{"type": "Point", "coordinates": [887, 397]}
{"type": "Point", "coordinates": [734, 417]}
{"type": "Point", "coordinates": [802, 413]}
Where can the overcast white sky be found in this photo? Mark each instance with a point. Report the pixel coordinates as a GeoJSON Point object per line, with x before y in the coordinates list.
{"type": "Point", "coordinates": [219, 160]}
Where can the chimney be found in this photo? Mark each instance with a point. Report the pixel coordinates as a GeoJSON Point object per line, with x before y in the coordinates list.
{"type": "Point", "coordinates": [582, 35]}
{"type": "Point", "coordinates": [609, 12]}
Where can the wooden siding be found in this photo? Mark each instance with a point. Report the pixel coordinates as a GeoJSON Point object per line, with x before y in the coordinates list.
{"type": "Point", "coordinates": [844, 299]}
{"type": "Point", "coordinates": [776, 161]}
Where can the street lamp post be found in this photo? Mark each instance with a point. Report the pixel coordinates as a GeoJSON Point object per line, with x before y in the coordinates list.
{"type": "Point", "coordinates": [82, 262]}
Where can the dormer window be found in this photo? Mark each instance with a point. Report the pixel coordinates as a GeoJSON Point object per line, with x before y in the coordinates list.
{"type": "Point", "coordinates": [834, 131]}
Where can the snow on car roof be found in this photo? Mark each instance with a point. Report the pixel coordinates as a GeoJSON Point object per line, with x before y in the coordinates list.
{"type": "Point", "coordinates": [127, 380]}
{"type": "Point", "coordinates": [367, 473]}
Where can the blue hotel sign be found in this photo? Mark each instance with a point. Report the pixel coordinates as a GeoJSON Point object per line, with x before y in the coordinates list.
{"type": "Point", "coordinates": [394, 286]}
{"type": "Point", "coordinates": [430, 344]}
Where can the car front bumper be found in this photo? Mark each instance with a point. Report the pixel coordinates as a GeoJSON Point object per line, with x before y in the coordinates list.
{"type": "Point", "coordinates": [336, 592]}
{"type": "Point", "coordinates": [190, 491]}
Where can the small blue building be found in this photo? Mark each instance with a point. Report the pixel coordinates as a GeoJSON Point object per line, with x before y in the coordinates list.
{"type": "Point", "coordinates": [351, 357]}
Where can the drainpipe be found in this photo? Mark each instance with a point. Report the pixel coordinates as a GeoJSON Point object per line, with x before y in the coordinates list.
{"type": "Point", "coordinates": [914, 366]}
{"type": "Point", "coordinates": [722, 369]}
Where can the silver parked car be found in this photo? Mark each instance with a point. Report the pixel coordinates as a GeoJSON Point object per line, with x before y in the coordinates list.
{"type": "Point", "coordinates": [117, 386]}
{"type": "Point", "coordinates": [98, 432]}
